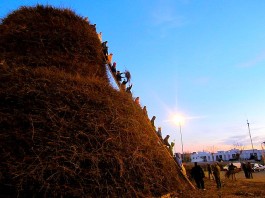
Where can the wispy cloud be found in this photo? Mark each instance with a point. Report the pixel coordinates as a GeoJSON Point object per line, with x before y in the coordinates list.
{"type": "Point", "coordinates": [234, 141]}
{"type": "Point", "coordinates": [243, 140]}
{"type": "Point", "coordinates": [253, 62]}
{"type": "Point", "coordinates": [167, 18]}
{"type": "Point", "coordinates": [164, 14]}
{"type": "Point", "coordinates": [185, 1]}
{"type": "Point", "coordinates": [202, 81]}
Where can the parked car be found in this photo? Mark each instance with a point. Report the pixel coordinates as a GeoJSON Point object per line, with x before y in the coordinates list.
{"type": "Point", "coordinates": [257, 167]}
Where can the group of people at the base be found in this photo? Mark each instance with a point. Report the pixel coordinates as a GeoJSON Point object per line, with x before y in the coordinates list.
{"type": "Point", "coordinates": [214, 171]}
{"type": "Point", "coordinates": [198, 175]}
{"type": "Point", "coordinates": [247, 168]}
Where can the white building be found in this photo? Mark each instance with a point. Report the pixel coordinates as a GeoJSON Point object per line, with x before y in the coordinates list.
{"type": "Point", "coordinates": [233, 154]}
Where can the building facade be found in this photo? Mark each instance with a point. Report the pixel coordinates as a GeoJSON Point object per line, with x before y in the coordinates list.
{"type": "Point", "coordinates": [233, 154]}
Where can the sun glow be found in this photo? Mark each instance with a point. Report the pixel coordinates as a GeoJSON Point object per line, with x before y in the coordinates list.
{"type": "Point", "coordinates": [178, 119]}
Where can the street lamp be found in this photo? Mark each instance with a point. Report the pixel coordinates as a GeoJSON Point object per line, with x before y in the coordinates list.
{"type": "Point", "coordinates": [178, 119]}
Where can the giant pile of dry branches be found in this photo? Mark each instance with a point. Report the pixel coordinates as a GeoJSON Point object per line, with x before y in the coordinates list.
{"type": "Point", "coordinates": [47, 37]}
{"type": "Point", "coordinates": [66, 133]}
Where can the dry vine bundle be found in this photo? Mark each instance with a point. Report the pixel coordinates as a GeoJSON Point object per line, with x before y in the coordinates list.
{"type": "Point", "coordinates": [65, 132]}
{"type": "Point", "coordinates": [47, 37]}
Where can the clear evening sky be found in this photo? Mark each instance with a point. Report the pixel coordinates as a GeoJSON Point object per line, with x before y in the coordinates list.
{"type": "Point", "coordinates": [202, 59]}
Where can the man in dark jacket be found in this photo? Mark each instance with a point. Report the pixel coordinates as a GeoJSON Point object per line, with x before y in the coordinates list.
{"type": "Point", "coordinates": [198, 174]}
{"type": "Point", "coordinates": [244, 168]}
{"type": "Point", "coordinates": [249, 170]}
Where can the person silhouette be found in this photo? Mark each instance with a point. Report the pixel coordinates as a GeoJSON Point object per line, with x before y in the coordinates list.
{"type": "Point", "coordinates": [198, 174]}
{"type": "Point", "coordinates": [166, 141]}
{"type": "Point", "coordinates": [137, 101]}
{"type": "Point", "coordinates": [128, 89]}
{"type": "Point", "coordinates": [105, 48]}
{"type": "Point", "coordinates": [153, 121]}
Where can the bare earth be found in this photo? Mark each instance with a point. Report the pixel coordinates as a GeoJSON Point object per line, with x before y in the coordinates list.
{"type": "Point", "coordinates": [242, 187]}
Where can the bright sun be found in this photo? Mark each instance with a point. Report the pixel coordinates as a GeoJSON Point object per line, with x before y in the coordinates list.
{"type": "Point", "coordinates": [178, 119]}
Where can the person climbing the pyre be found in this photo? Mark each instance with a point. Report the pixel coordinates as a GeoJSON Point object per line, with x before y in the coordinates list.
{"type": "Point", "coordinates": [113, 68]}
{"type": "Point", "coordinates": [105, 49]}
{"type": "Point", "coordinates": [166, 141]}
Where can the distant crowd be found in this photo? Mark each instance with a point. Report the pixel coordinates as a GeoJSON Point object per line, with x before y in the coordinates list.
{"type": "Point", "coordinates": [214, 170]}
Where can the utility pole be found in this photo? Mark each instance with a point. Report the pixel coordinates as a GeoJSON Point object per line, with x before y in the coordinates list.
{"type": "Point", "coordinates": [181, 141]}
{"type": "Point", "coordinates": [250, 138]}
{"type": "Point", "coordinates": [263, 155]}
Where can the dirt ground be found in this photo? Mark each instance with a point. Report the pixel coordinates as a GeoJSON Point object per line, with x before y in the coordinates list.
{"type": "Point", "coordinates": [242, 187]}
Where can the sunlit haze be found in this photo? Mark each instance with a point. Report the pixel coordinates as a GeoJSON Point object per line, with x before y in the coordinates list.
{"type": "Point", "coordinates": [204, 60]}
{"type": "Point", "coordinates": [178, 119]}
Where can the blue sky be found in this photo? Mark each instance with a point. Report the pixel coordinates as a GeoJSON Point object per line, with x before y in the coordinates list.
{"type": "Point", "coordinates": [202, 59]}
